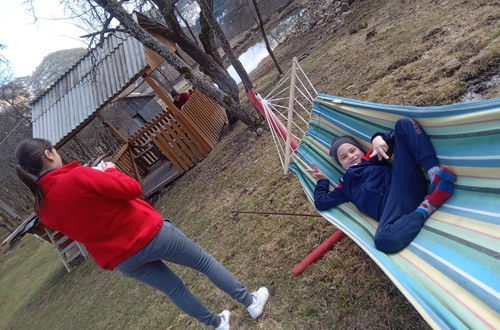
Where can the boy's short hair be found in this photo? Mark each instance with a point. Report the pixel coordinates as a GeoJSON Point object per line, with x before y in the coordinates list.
{"type": "Point", "coordinates": [340, 140]}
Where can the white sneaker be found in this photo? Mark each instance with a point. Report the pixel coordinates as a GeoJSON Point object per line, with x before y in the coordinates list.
{"type": "Point", "coordinates": [259, 300]}
{"type": "Point", "coordinates": [224, 320]}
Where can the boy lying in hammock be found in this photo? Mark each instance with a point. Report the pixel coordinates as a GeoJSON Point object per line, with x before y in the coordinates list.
{"type": "Point", "coordinates": [394, 195]}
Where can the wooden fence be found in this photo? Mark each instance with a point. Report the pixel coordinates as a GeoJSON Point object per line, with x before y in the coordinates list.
{"type": "Point", "coordinates": [165, 136]}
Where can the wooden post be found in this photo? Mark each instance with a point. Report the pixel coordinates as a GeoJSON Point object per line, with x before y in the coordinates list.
{"type": "Point", "coordinates": [113, 129]}
{"type": "Point", "coordinates": [136, 170]}
{"type": "Point", "coordinates": [291, 99]}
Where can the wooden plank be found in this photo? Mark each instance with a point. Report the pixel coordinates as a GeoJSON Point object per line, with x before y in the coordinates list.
{"type": "Point", "coordinates": [181, 142]}
{"type": "Point", "coordinates": [204, 112]}
{"type": "Point", "coordinates": [183, 147]}
{"type": "Point", "coordinates": [136, 170]}
{"type": "Point", "coordinates": [196, 152]}
{"type": "Point", "coordinates": [176, 147]}
{"type": "Point", "coordinates": [200, 120]}
{"type": "Point", "coordinates": [165, 148]}
{"type": "Point", "coordinates": [119, 153]}
{"type": "Point", "coordinates": [199, 128]}
{"type": "Point", "coordinates": [195, 144]}
{"type": "Point", "coordinates": [113, 129]}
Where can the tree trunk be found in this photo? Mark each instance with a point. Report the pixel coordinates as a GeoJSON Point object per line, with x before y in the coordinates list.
{"type": "Point", "coordinates": [206, 10]}
{"type": "Point", "coordinates": [227, 100]}
{"type": "Point", "coordinates": [207, 39]}
{"type": "Point", "coordinates": [269, 50]}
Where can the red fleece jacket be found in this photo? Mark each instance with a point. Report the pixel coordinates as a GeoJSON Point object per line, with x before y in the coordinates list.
{"type": "Point", "coordinates": [102, 210]}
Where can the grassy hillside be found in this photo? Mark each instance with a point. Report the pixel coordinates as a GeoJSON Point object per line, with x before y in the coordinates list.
{"type": "Point", "coordinates": [411, 52]}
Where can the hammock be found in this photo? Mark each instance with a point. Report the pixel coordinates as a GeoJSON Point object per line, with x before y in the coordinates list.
{"type": "Point", "coordinates": [451, 271]}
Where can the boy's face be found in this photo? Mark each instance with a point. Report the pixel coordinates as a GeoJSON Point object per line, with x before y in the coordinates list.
{"type": "Point", "coordinates": [349, 155]}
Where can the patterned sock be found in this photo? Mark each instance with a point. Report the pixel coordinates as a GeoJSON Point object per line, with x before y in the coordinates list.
{"type": "Point", "coordinates": [441, 173]}
{"type": "Point", "coordinates": [432, 172]}
{"type": "Point", "coordinates": [441, 193]}
{"type": "Point", "coordinates": [425, 208]}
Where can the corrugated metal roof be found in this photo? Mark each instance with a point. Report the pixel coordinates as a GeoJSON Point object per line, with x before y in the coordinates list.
{"type": "Point", "coordinates": [80, 92]}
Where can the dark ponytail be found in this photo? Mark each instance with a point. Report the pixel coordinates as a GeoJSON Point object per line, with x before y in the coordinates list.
{"type": "Point", "coordinates": [29, 156]}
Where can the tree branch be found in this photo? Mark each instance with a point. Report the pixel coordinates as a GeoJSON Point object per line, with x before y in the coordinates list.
{"type": "Point", "coordinates": [102, 32]}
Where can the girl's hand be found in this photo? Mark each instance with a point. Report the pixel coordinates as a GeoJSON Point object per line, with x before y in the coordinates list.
{"type": "Point", "coordinates": [380, 148]}
{"type": "Point", "coordinates": [316, 172]}
{"type": "Point", "coordinates": [109, 165]}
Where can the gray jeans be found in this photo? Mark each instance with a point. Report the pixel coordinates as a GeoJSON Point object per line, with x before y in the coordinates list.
{"type": "Point", "coordinates": [170, 244]}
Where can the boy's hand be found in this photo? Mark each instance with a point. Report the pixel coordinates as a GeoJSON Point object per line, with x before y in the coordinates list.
{"type": "Point", "coordinates": [380, 148]}
{"type": "Point", "coordinates": [316, 172]}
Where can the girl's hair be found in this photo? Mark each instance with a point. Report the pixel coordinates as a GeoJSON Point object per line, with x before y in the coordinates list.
{"type": "Point", "coordinates": [29, 156]}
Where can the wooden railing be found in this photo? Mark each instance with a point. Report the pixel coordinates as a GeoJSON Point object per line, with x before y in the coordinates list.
{"type": "Point", "coordinates": [164, 136]}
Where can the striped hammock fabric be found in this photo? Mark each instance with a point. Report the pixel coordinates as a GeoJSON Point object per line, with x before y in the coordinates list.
{"type": "Point", "coordinates": [451, 271]}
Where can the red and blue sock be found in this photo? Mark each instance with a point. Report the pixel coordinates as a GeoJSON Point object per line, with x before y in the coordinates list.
{"type": "Point", "coordinates": [441, 174]}
{"type": "Point", "coordinates": [443, 191]}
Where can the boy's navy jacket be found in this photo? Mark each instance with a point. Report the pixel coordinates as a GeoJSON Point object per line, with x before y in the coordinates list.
{"type": "Point", "coordinates": [365, 184]}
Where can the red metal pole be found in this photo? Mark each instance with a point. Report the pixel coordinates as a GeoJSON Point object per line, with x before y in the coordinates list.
{"type": "Point", "coordinates": [314, 256]}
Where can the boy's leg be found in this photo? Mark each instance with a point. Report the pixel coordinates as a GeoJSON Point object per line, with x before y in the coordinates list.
{"type": "Point", "coordinates": [400, 223]}
{"type": "Point", "coordinates": [413, 150]}
{"type": "Point", "coordinates": [413, 145]}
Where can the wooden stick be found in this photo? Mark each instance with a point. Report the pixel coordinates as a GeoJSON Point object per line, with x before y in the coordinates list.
{"type": "Point", "coordinates": [278, 213]}
{"type": "Point", "coordinates": [291, 98]}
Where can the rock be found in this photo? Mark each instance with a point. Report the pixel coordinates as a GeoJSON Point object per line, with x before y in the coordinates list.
{"type": "Point", "coordinates": [344, 7]}
{"type": "Point", "coordinates": [259, 131]}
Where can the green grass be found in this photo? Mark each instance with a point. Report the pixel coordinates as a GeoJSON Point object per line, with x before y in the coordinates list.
{"type": "Point", "coordinates": [423, 53]}
{"type": "Point", "coordinates": [26, 275]}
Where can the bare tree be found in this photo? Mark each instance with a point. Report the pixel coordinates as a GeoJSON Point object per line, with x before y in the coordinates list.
{"type": "Point", "coordinates": [227, 93]}
{"type": "Point", "coordinates": [268, 46]}
{"type": "Point", "coordinates": [5, 70]}
{"type": "Point", "coordinates": [207, 39]}
{"type": "Point", "coordinates": [207, 11]}
{"type": "Point", "coordinates": [15, 125]}
{"type": "Point", "coordinates": [186, 23]}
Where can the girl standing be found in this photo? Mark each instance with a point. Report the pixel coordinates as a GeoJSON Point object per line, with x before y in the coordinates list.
{"type": "Point", "coordinates": [102, 210]}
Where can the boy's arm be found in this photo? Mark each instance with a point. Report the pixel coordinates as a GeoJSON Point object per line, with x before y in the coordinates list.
{"type": "Point", "coordinates": [324, 199]}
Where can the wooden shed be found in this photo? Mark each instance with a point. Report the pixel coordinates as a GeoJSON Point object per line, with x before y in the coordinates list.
{"type": "Point", "coordinates": [183, 137]}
